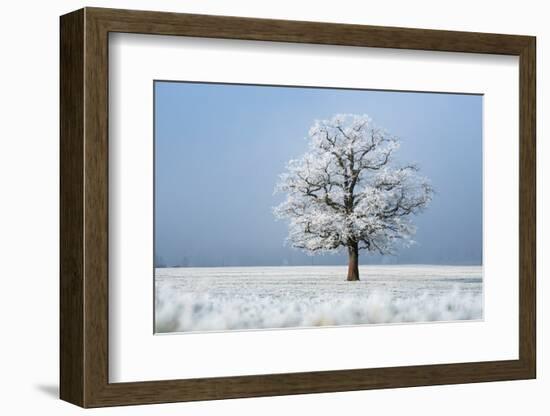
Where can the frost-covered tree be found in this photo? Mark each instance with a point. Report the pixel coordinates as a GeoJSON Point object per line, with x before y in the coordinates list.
{"type": "Point", "coordinates": [348, 192]}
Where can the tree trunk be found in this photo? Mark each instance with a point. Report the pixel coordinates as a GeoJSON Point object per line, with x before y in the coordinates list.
{"type": "Point", "coordinates": [353, 262]}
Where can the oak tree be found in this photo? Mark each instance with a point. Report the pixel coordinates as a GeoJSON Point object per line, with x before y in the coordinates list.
{"type": "Point", "coordinates": [348, 192]}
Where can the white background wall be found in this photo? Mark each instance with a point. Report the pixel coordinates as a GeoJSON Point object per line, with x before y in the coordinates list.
{"type": "Point", "coordinates": [29, 206]}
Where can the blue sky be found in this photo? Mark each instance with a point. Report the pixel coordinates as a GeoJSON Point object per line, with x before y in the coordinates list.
{"type": "Point", "coordinates": [219, 149]}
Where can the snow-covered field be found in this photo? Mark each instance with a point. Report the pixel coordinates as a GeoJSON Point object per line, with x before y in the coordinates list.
{"type": "Point", "coordinates": [229, 298]}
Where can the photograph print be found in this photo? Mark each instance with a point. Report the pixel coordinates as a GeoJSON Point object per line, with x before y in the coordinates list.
{"type": "Point", "coordinates": [301, 207]}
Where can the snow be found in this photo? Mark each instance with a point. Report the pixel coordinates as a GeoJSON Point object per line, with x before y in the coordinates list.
{"type": "Point", "coordinates": [239, 298]}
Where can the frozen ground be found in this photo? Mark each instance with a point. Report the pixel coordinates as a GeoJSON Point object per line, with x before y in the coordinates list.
{"type": "Point", "coordinates": [228, 298]}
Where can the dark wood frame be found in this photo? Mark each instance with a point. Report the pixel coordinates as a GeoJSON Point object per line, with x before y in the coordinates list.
{"type": "Point", "coordinates": [84, 207]}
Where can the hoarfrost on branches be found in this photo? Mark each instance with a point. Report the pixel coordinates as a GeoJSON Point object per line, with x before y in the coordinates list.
{"type": "Point", "coordinates": [348, 191]}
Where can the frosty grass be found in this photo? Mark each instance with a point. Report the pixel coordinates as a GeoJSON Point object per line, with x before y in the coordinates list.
{"type": "Point", "coordinates": [230, 298]}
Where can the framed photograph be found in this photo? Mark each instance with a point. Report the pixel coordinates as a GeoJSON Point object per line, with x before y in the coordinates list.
{"type": "Point", "coordinates": [254, 207]}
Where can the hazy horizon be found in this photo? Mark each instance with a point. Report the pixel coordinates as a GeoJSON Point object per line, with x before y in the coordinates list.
{"type": "Point", "coordinates": [321, 265]}
{"type": "Point", "coordinates": [219, 149]}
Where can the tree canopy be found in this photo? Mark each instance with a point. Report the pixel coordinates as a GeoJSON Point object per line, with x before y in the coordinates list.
{"type": "Point", "coordinates": [348, 189]}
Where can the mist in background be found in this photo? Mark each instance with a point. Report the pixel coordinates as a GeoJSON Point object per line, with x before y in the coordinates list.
{"type": "Point", "coordinates": [219, 150]}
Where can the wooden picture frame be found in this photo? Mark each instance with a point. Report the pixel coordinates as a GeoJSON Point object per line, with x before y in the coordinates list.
{"type": "Point", "coordinates": [84, 207]}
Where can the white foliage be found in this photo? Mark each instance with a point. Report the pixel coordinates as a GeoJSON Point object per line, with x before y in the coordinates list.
{"type": "Point", "coordinates": [348, 189]}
